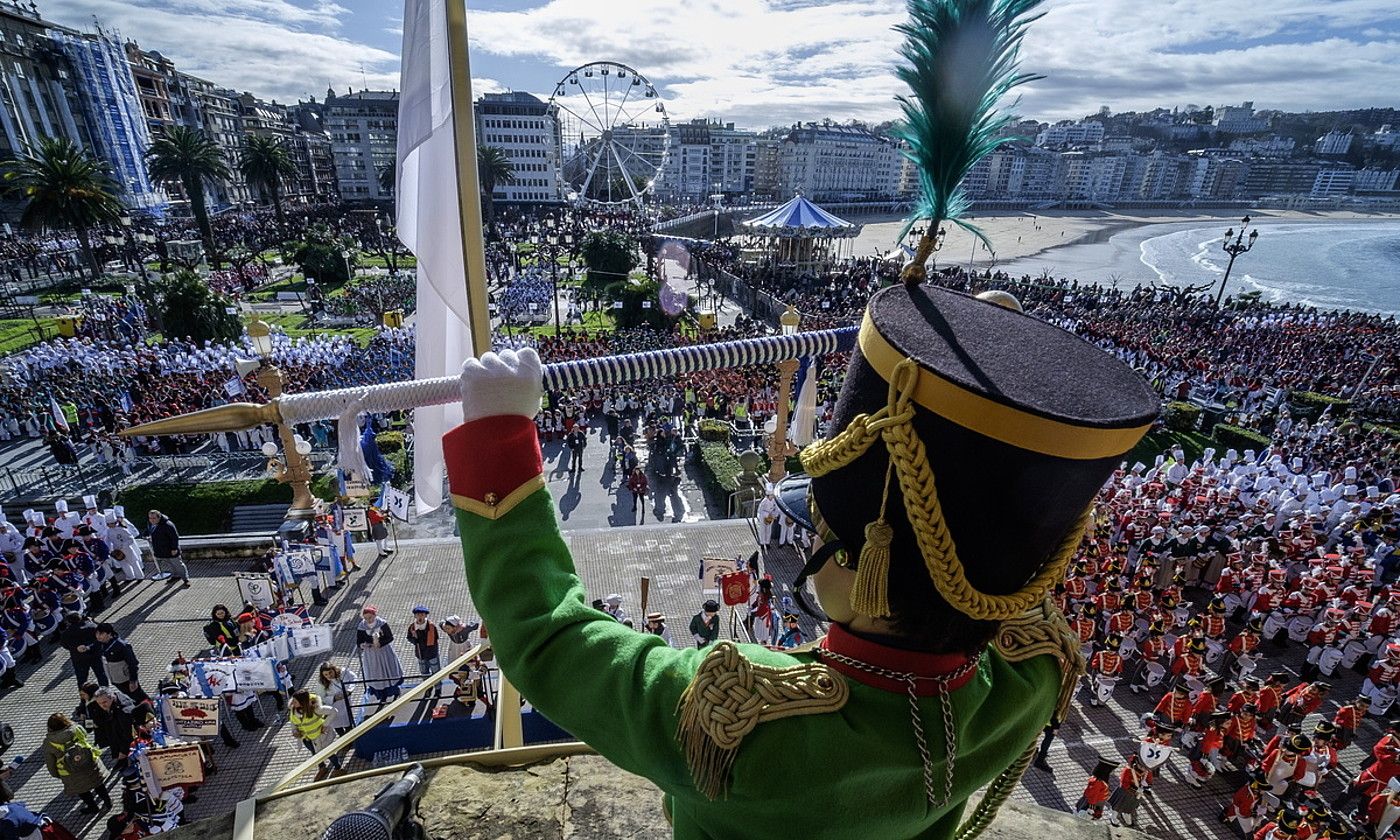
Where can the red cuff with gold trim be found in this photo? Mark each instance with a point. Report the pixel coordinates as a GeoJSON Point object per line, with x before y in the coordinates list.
{"type": "Point", "coordinates": [491, 461]}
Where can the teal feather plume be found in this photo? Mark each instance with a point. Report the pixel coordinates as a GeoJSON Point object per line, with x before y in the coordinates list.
{"type": "Point", "coordinates": [961, 58]}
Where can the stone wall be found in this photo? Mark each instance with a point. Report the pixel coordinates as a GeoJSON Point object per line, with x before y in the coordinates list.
{"type": "Point", "coordinates": [575, 798]}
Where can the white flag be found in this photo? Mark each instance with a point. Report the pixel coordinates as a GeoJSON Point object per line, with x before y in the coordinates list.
{"type": "Point", "coordinates": [804, 420]}
{"type": "Point", "coordinates": [57, 412]}
{"type": "Point", "coordinates": [429, 224]}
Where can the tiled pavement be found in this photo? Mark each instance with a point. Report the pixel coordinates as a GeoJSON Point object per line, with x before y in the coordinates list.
{"type": "Point", "coordinates": [160, 619]}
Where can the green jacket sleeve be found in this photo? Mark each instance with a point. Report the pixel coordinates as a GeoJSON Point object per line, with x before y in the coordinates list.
{"type": "Point", "coordinates": [605, 683]}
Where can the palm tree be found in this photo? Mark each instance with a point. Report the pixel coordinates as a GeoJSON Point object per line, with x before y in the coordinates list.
{"type": "Point", "coordinates": [266, 162]}
{"type": "Point", "coordinates": [65, 188]}
{"type": "Point", "coordinates": [492, 167]}
{"type": "Point", "coordinates": [387, 178]}
{"type": "Point", "coordinates": [187, 157]}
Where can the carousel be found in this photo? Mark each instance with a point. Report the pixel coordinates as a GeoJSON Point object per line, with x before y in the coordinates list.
{"type": "Point", "coordinates": [798, 236]}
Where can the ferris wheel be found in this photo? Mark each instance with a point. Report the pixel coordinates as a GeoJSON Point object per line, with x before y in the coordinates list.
{"type": "Point", "coordinates": [613, 133]}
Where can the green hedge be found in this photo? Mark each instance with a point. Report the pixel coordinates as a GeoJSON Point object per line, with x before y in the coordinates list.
{"type": "Point", "coordinates": [715, 430]}
{"type": "Point", "coordinates": [1240, 438]}
{"type": "Point", "coordinates": [1389, 431]}
{"type": "Point", "coordinates": [1181, 416]}
{"type": "Point", "coordinates": [389, 442]}
{"type": "Point", "coordinates": [1311, 404]}
{"type": "Point", "coordinates": [204, 508]}
{"type": "Point", "coordinates": [719, 468]}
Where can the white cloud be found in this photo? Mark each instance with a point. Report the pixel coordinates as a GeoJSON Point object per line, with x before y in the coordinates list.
{"type": "Point", "coordinates": [275, 49]}
{"type": "Point", "coordinates": [767, 62]}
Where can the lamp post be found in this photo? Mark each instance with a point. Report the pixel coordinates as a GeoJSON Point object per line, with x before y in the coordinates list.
{"type": "Point", "coordinates": [295, 467]}
{"type": "Point", "coordinates": [789, 321]}
{"type": "Point", "coordinates": [1234, 249]}
{"type": "Point", "coordinates": [345, 255]}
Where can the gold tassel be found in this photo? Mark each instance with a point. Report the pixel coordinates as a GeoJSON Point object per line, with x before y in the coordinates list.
{"type": "Point", "coordinates": [870, 595]}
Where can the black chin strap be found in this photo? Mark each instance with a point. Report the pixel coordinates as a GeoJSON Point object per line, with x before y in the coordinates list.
{"type": "Point", "coordinates": [819, 558]}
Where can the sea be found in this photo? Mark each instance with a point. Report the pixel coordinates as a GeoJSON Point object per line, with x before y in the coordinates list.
{"type": "Point", "coordinates": [1335, 264]}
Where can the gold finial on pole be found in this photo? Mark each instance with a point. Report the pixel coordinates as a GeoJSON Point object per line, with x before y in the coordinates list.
{"type": "Point", "coordinates": [221, 418]}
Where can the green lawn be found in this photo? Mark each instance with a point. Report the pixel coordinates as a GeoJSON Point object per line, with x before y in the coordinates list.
{"type": "Point", "coordinates": [297, 325]}
{"type": "Point", "coordinates": [16, 335]}
{"type": "Point", "coordinates": [592, 322]}
{"type": "Point", "coordinates": [405, 262]}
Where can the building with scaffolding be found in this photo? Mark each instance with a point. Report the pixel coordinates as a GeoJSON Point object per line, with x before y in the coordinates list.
{"type": "Point", "coordinates": [117, 124]}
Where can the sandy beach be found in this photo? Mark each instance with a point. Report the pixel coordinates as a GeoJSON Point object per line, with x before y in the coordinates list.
{"type": "Point", "coordinates": [1059, 241]}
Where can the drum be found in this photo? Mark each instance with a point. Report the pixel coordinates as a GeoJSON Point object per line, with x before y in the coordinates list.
{"type": "Point", "coordinates": [1156, 672]}
{"type": "Point", "coordinates": [1154, 754]}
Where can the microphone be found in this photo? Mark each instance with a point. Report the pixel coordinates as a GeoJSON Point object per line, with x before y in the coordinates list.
{"type": "Point", "coordinates": [391, 816]}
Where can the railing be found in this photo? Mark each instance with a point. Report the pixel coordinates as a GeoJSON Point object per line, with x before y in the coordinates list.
{"type": "Point", "coordinates": [508, 746]}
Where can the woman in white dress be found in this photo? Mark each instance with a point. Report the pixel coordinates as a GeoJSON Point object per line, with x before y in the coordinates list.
{"type": "Point", "coordinates": [337, 694]}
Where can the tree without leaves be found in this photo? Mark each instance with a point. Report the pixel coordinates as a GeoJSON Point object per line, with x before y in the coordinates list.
{"type": "Point", "coordinates": [65, 189]}
{"type": "Point", "coordinates": [187, 157]}
{"type": "Point", "coordinates": [267, 163]}
{"type": "Point", "coordinates": [387, 178]}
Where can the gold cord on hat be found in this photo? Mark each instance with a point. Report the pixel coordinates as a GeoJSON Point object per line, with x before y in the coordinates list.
{"type": "Point", "coordinates": [908, 461]}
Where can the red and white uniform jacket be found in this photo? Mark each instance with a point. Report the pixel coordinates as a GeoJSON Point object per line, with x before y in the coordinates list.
{"type": "Point", "coordinates": [1324, 634]}
{"type": "Point", "coordinates": [1152, 648]}
{"type": "Point", "coordinates": [1385, 672]}
{"type": "Point", "coordinates": [1106, 662]}
{"type": "Point", "coordinates": [1120, 622]}
{"type": "Point", "coordinates": [1244, 643]}
{"type": "Point", "coordinates": [1189, 663]}
{"type": "Point", "coordinates": [1241, 729]}
{"type": "Point", "coordinates": [1276, 767]}
{"type": "Point", "coordinates": [1267, 599]}
{"type": "Point", "coordinates": [1244, 803]}
{"type": "Point", "coordinates": [1083, 628]}
{"type": "Point", "coordinates": [1214, 626]}
{"type": "Point", "coordinates": [1173, 708]}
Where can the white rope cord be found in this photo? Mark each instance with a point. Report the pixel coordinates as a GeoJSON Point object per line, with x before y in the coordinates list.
{"type": "Point", "coordinates": [580, 373]}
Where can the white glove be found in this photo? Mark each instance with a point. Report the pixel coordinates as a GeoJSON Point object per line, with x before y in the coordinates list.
{"type": "Point", "coordinates": [504, 383]}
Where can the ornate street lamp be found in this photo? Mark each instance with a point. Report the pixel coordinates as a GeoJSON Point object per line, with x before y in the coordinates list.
{"type": "Point", "coordinates": [1234, 249]}
{"type": "Point", "coordinates": [295, 467]}
{"type": "Point", "coordinates": [778, 447]}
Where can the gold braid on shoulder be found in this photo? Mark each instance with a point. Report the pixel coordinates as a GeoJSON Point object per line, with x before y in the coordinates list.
{"type": "Point", "coordinates": [909, 464]}
{"type": "Point", "coordinates": [729, 696]}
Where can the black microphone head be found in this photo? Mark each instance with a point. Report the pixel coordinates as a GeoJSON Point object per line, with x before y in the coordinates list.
{"type": "Point", "coordinates": [359, 825]}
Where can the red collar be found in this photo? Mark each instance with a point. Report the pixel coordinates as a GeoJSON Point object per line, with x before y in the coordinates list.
{"type": "Point", "coordinates": [928, 669]}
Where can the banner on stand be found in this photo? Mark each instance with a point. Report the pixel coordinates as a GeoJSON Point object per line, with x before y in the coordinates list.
{"type": "Point", "coordinates": [216, 676]}
{"type": "Point", "coordinates": [396, 503]}
{"type": "Point", "coordinates": [254, 588]}
{"type": "Point", "coordinates": [356, 519]}
{"type": "Point", "coordinates": [312, 640]}
{"type": "Point", "coordinates": [712, 569]}
{"type": "Point", "coordinates": [182, 765]}
{"type": "Point", "coordinates": [193, 717]}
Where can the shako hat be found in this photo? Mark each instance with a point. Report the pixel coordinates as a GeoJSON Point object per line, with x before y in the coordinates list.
{"type": "Point", "coordinates": [972, 439]}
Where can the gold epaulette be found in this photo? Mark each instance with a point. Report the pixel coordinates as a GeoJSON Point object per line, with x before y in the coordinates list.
{"type": "Point", "coordinates": [730, 695]}
{"type": "Point", "coordinates": [1039, 631]}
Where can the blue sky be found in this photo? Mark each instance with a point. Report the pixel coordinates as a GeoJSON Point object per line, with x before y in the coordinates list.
{"type": "Point", "coordinates": [772, 62]}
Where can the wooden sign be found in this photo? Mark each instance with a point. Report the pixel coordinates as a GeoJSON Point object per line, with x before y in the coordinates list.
{"type": "Point", "coordinates": [182, 765]}
{"type": "Point", "coordinates": [194, 717]}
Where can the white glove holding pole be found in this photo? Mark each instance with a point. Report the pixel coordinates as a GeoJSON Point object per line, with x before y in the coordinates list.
{"type": "Point", "coordinates": [509, 382]}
